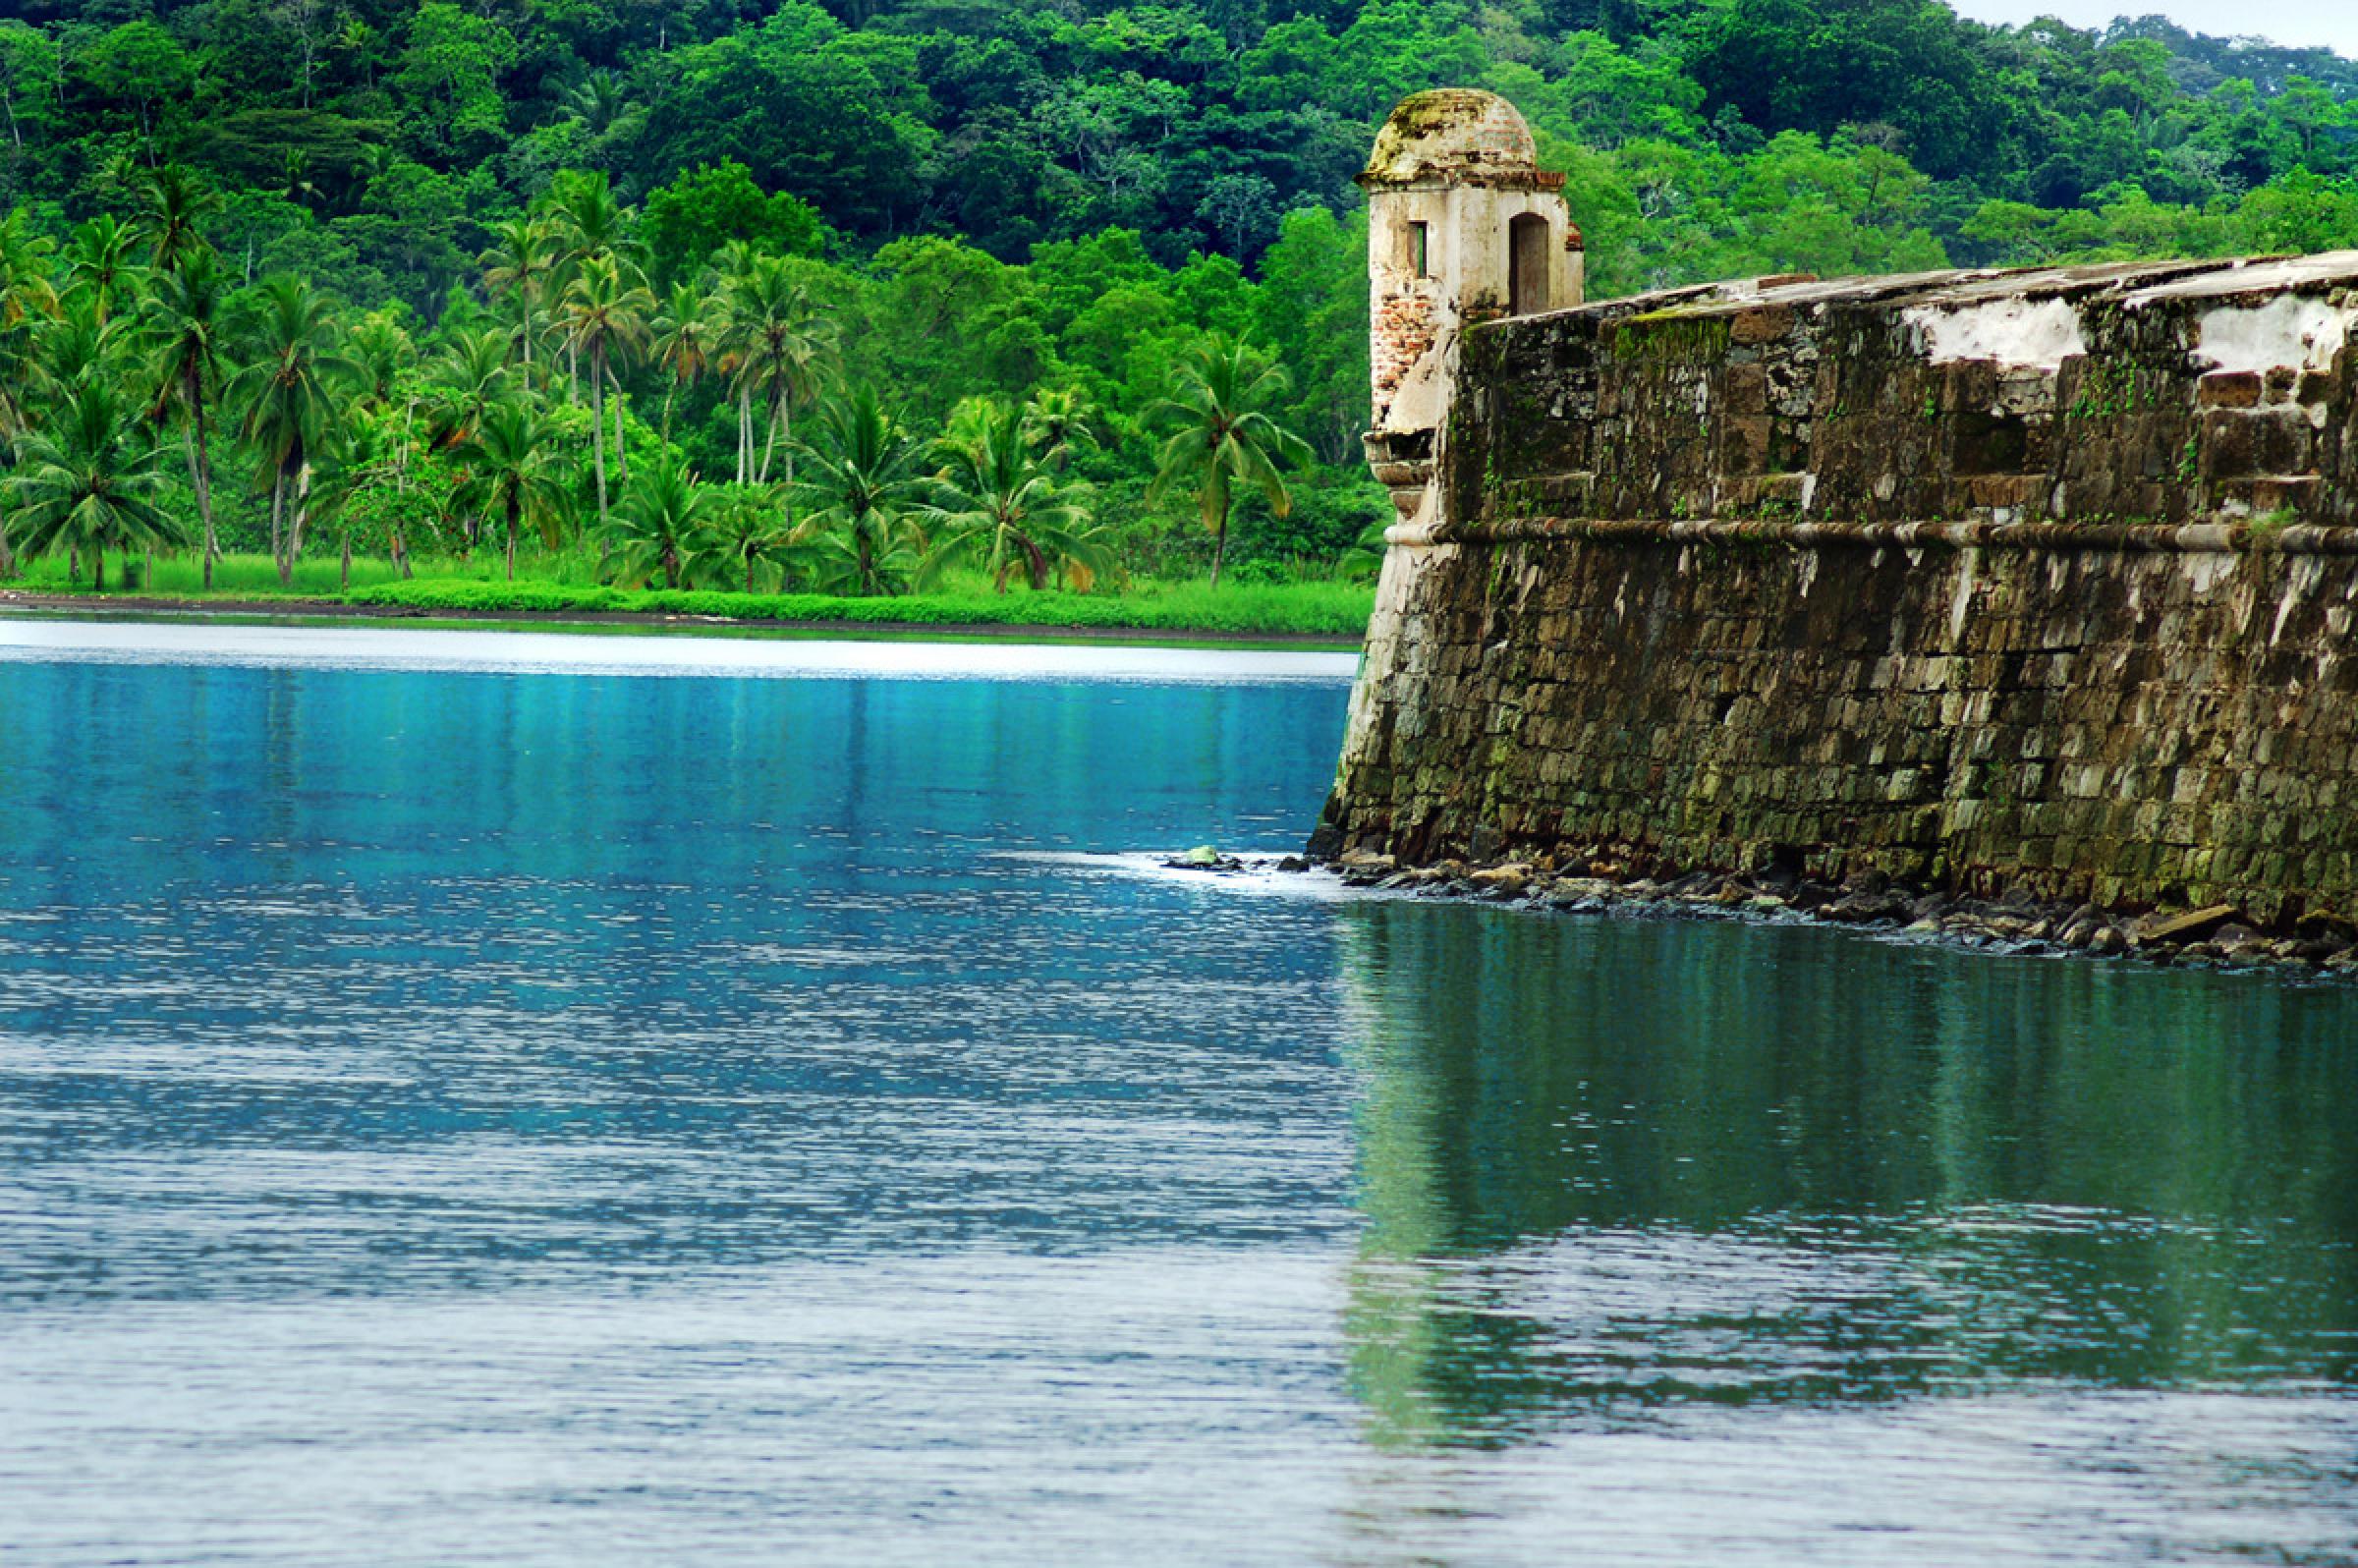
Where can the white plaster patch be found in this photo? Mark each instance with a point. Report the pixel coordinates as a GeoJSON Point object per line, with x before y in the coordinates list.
{"type": "Point", "coordinates": [2207, 569]}
{"type": "Point", "coordinates": [1807, 570]}
{"type": "Point", "coordinates": [2291, 331]}
{"type": "Point", "coordinates": [2022, 332]}
{"type": "Point", "coordinates": [1962, 604]}
{"type": "Point", "coordinates": [2307, 572]}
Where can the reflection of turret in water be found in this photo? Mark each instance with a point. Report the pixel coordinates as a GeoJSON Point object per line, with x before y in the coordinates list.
{"type": "Point", "coordinates": [1631, 1162]}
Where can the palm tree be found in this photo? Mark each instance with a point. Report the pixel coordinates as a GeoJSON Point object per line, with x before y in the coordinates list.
{"type": "Point", "coordinates": [774, 344]}
{"type": "Point", "coordinates": [1224, 435]}
{"type": "Point", "coordinates": [587, 218]}
{"type": "Point", "coordinates": [1057, 422]}
{"type": "Point", "coordinates": [470, 376]}
{"type": "Point", "coordinates": [602, 104]}
{"type": "Point", "coordinates": [513, 469]}
{"type": "Point", "coordinates": [997, 504]}
{"type": "Point", "coordinates": [173, 207]}
{"type": "Point", "coordinates": [92, 485]}
{"type": "Point", "coordinates": [99, 258]}
{"type": "Point", "coordinates": [661, 525]}
{"type": "Point", "coordinates": [27, 303]}
{"type": "Point", "coordinates": [75, 344]}
{"type": "Point", "coordinates": [522, 261]}
{"type": "Point", "coordinates": [605, 311]}
{"type": "Point", "coordinates": [289, 387]}
{"type": "Point", "coordinates": [383, 350]}
{"type": "Point", "coordinates": [862, 477]}
{"type": "Point", "coordinates": [184, 325]}
{"type": "Point", "coordinates": [747, 528]}
{"type": "Point", "coordinates": [684, 338]}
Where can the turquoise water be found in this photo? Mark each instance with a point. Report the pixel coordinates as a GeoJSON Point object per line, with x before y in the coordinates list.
{"type": "Point", "coordinates": [786, 1116]}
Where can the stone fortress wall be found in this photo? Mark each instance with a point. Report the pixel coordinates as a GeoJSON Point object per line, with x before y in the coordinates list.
{"type": "Point", "coordinates": [1982, 581]}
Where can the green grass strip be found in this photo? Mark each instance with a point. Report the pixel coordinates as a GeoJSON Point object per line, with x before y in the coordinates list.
{"type": "Point", "coordinates": [1327, 609]}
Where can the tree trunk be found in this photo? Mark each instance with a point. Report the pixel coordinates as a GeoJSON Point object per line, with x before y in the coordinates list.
{"type": "Point", "coordinates": [789, 467]}
{"type": "Point", "coordinates": [98, 570]}
{"type": "Point", "coordinates": [514, 511]}
{"type": "Point", "coordinates": [344, 579]}
{"type": "Point", "coordinates": [622, 462]}
{"type": "Point", "coordinates": [302, 504]}
{"type": "Point", "coordinates": [744, 433]}
{"type": "Point", "coordinates": [597, 431]}
{"type": "Point", "coordinates": [278, 509]}
{"type": "Point", "coordinates": [669, 393]}
{"type": "Point", "coordinates": [200, 473]}
{"type": "Point", "coordinates": [1219, 544]}
{"type": "Point", "coordinates": [770, 442]}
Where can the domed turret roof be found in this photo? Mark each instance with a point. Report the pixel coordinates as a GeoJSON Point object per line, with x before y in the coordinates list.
{"type": "Point", "coordinates": [1453, 134]}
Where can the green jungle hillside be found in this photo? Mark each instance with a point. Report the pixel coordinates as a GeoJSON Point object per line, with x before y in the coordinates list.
{"type": "Point", "coordinates": [872, 296]}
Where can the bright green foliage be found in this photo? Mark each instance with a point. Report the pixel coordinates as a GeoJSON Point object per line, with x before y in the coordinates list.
{"type": "Point", "coordinates": [659, 528]}
{"type": "Point", "coordinates": [291, 395]}
{"type": "Point", "coordinates": [863, 478]}
{"type": "Point", "coordinates": [1330, 609]}
{"type": "Point", "coordinates": [712, 205]}
{"type": "Point", "coordinates": [997, 505]}
{"type": "Point", "coordinates": [513, 473]}
{"type": "Point", "coordinates": [1223, 435]}
{"type": "Point", "coordinates": [184, 324]}
{"type": "Point", "coordinates": [89, 484]}
{"type": "Point", "coordinates": [670, 229]}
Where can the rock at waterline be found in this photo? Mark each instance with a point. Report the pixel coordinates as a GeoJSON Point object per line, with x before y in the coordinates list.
{"type": "Point", "coordinates": [1204, 858]}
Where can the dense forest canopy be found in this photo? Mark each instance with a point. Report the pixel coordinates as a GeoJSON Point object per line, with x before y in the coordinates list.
{"type": "Point", "coordinates": [986, 199]}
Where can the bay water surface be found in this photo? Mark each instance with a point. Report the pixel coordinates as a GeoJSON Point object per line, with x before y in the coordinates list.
{"type": "Point", "coordinates": [473, 1097]}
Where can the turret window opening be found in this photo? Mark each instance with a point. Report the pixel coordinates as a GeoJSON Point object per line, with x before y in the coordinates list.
{"type": "Point", "coordinates": [1527, 264]}
{"type": "Point", "coordinates": [1420, 239]}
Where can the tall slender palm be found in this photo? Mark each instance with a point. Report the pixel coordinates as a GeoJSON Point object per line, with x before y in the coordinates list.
{"type": "Point", "coordinates": [683, 341]}
{"type": "Point", "coordinates": [90, 483]}
{"type": "Point", "coordinates": [661, 525]}
{"type": "Point", "coordinates": [1223, 435]}
{"type": "Point", "coordinates": [605, 311]}
{"type": "Point", "coordinates": [588, 222]}
{"type": "Point", "coordinates": [862, 476]}
{"type": "Point", "coordinates": [184, 325]}
{"type": "Point", "coordinates": [776, 343]}
{"type": "Point", "coordinates": [513, 469]}
{"type": "Point", "coordinates": [102, 257]}
{"type": "Point", "coordinates": [27, 301]}
{"type": "Point", "coordinates": [520, 264]}
{"type": "Point", "coordinates": [174, 204]}
{"type": "Point", "coordinates": [289, 388]}
{"type": "Point", "coordinates": [997, 506]}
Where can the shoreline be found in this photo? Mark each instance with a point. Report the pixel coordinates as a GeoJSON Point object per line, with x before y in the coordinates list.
{"type": "Point", "coordinates": [303, 611]}
{"type": "Point", "coordinates": [410, 644]}
{"type": "Point", "coordinates": [2317, 945]}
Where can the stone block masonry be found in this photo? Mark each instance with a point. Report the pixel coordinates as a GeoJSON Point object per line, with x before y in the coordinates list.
{"type": "Point", "coordinates": [2131, 719]}
{"type": "Point", "coordinates": [2033, 583]}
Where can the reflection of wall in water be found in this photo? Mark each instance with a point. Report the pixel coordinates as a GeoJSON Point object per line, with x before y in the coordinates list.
{"type": "Point", "coordinates": [1607, 1160]}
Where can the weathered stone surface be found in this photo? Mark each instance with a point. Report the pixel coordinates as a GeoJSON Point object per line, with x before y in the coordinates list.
{"type": "Point", "coordinates": [2041, 581]}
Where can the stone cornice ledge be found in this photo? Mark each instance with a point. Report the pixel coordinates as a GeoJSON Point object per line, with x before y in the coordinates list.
{"type": "Point", "coordinates": [2189, 539]}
